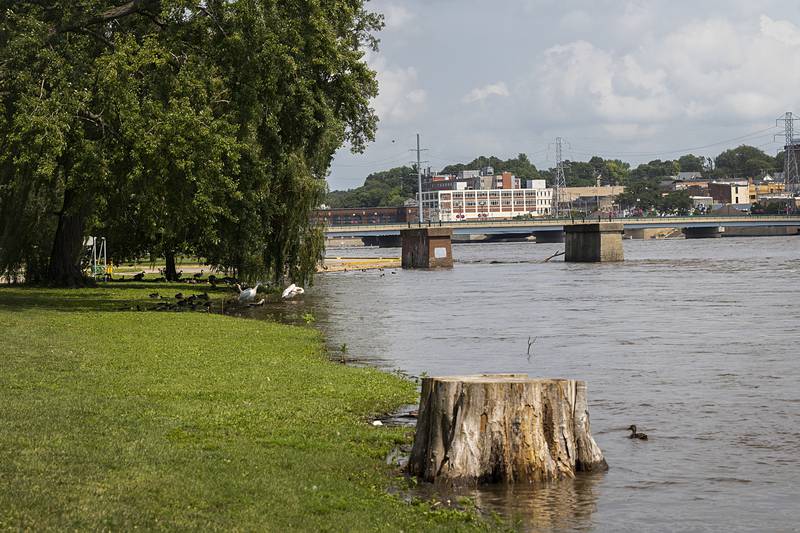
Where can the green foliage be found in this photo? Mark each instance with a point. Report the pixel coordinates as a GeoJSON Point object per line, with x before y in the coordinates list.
{"type": "Point", "coordinates": [177, 127]}
{"type": "Point", "coordinates": [692, 163]}
{"type": "Point", "coordinates": [381, 189]}
{"type": "Point", "coordinates": [642, 194]}
{"type": "Point", "coordinates": [121, 420]}
{"type": "Point", "coordinates": [656, 169]}
{"type": "Point", "coordinates": [520, 166]}
{"type": "Point", "coordinates": [744, 162]}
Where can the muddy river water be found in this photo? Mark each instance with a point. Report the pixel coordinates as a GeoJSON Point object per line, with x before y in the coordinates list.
{"type": "Point", "coordinates": [694, 341]}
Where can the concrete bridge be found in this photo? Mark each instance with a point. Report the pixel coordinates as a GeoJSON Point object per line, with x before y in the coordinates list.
{"type": "Point", "coordinates": [550, 229]}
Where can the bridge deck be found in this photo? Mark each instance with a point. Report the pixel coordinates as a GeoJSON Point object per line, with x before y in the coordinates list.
{"type": "Point", "coordinates": [528, 226]}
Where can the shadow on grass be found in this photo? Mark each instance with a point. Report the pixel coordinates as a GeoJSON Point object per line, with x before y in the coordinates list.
{"type": "Point", "coordinates": [105, 297]}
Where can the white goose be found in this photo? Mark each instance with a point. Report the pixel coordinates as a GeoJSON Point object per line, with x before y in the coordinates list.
{"type": "Point", "coordinates": [291, 291]}
{"type": "Point", "coordinates": [248, 295]}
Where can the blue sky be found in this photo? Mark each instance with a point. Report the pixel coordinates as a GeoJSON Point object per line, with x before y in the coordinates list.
{"type": "Point", "coordinates": [637, 79]}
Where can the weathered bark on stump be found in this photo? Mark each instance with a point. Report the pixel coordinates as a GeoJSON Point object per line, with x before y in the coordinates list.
{"type": "Point", "coordinates": [503, 427]}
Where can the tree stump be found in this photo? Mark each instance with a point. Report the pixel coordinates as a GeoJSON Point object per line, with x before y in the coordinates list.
{"type": "Point", "coordinates": [503, 428]}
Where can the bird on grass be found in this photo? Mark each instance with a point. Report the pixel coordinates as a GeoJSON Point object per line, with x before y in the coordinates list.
{"type": "Point", "coordinates": [198, 275]}
{"type": "Point", "coordinates": [247, 295]}
{"type": "Point", "coordinates": [154, 295]}
{"type": "Point", "coordinates": [139, 276]}
{"type": "Point", "coordinates": [291, 291]}
{"type": "Point", "coordinates": [636, 435]}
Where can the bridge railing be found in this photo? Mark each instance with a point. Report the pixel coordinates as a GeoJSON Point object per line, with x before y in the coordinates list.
{"type": "Point", "coordinates": [564, 221]}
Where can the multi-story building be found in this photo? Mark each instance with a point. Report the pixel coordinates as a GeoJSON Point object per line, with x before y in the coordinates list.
{"type": "Point", "coordinates": [766, 187]}
{"type": "Point", "coordinates": [730, 192]}
{"type": "Point", "coordinates": [454, 206]}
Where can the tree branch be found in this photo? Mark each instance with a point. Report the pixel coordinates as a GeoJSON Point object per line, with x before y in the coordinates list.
{"type": "Point", "coordinates": [129, 8]}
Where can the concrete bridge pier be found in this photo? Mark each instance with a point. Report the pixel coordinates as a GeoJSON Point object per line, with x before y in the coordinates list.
{"type": "Point", "coordinates": [427, 247]}
{"type": "Point", "coordinates": [593, 243]}
{"type": "Point", "coordinates": [548, 237]}
{"type": "Point", "coordinates": [713, 232]}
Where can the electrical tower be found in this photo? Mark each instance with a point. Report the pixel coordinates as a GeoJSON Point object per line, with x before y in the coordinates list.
{"type": "Point", "coordinates": [791, 165]}
{"type": "Point", "coordinates": [560, 182]}
{"type": "Point", "coordinates": [419, 177]}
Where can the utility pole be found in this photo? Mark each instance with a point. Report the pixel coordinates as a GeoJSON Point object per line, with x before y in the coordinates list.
{"type": "Point", "coordinates": [791, 166]}
{"type": "Point", "coordinates": [560, 181]}
{"type": "Point", "coordinates": [419, 177]}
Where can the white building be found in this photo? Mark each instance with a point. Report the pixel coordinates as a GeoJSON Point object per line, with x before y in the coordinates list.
{"type": "Point", "coordinates": [453, 206]}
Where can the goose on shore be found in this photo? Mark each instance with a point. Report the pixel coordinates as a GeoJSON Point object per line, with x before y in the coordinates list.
{"type": "Point", "coordinates": [635, 435]}
{"type": "Point", "coordinates": [291, 291]}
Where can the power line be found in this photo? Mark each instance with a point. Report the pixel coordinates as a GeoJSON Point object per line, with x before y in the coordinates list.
{"type": "Point", "coordinates": [679, 150]}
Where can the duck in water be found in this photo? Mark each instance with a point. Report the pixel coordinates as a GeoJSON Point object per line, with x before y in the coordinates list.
{"type": "Point", "coordinates": [635, 435]}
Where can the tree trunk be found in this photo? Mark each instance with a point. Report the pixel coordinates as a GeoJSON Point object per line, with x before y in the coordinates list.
{"type": "Point", "coordinates": [65, 257]}
{"type": "Point", "coordinates": [503, 427]}
{"type": "Point", "coordinates": [170, 272]}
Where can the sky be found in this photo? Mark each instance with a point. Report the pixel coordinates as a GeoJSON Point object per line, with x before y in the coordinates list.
{"type": "Point", "coordinates": [631, 79]}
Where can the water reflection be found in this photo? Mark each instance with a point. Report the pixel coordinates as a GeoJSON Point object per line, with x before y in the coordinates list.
{"type": "Point", "coordinates": [566, 505]}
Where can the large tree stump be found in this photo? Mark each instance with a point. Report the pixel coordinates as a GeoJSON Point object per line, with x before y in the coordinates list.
{"type": "Point", "coordinates": [503, 427]}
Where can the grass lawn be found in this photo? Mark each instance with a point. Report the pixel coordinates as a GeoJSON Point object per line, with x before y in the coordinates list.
{"type": "Point", "coordinates": [116, 419]}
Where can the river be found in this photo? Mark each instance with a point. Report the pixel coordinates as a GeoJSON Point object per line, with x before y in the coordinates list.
{"type": "Point", "coordinates": [694, 341]}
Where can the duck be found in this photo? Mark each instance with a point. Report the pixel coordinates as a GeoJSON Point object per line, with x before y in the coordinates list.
{"type": "Point", "coordinates": [291, 291]}
{"type": "Point", "coordinates": [248, 295]}
{"type": "Point", "coordinates": [198, 275]}
{"type": "Point", "coordinates": [154, 295]}
{"type": "Point", "coordinates": [635, 435]}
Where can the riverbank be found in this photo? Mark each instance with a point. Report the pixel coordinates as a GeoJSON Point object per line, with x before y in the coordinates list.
{"type": "Point", "coordinates": [162, 420]}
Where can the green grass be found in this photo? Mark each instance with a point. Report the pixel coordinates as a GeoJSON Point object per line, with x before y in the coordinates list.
{"type": "Point", "coordinates": [119, 420]}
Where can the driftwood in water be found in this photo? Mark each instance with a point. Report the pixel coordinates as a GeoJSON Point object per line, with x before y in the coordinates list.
{"type": "Point", "coordinates": [557, 254]}
{"type": "Point", "coordinates": [503, 427]}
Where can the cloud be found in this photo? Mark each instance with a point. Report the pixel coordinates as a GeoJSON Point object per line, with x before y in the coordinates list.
{"type": "Point", "coordinates": [482, 93]}
{"type": "Point", "coordinates": [399, 98]}
{"type": "Point", "coordinates": [396, 16]}
{"type": "Point", "coordinates": [709, 69]}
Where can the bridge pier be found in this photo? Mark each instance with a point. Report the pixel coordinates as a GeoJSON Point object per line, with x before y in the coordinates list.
{"type": "Point", "coordinates": [713, 232]}
{"type": "Point", "coordinates": [593, 243]}
{"type": "Point", "coordinates": [427, 247]}
{"type": "Point", "coordinates": [548, 237]}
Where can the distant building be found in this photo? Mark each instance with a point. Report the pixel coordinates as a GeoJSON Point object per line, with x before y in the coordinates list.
{"type": "Point", "coordinates": [571, 194]}
{"type": "Point", "coordinates": [730, 192]}
{"type": "Point", "coordinates": [765, 187]}
{"type": "Point", "coordinates": [468, 174]}
{"type": "Point", "coordinates": [453, 206]}
{"type": "Point", "coordinates": [703, 203]}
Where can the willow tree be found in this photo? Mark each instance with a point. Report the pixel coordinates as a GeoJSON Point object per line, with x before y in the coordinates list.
{"type": "Point", "coordinates": [176, 126]}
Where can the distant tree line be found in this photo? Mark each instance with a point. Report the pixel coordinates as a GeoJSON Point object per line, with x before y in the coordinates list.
{"type": "Point", "coordinates": [393, 187]}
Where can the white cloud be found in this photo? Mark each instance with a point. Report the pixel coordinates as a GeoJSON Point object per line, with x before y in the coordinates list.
{"type": "Point", "coordinates": [482, 93]}
{"type": "Point", "coordinates": [707, 69]}
{"type": "Point", "coordinates": [399, 98]}
{"type": "Point", "coordinates": [396, 16]}
{"type": "Point", "coordinates": [782, 30]}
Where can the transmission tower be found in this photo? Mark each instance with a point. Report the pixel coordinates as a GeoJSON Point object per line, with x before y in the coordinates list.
{"type": "Point", "coordinates": [419, 177]}
{"type": "Point", "coordinates": [560, 181]}
{"type": "Point", "coordinates": [791, 165]}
